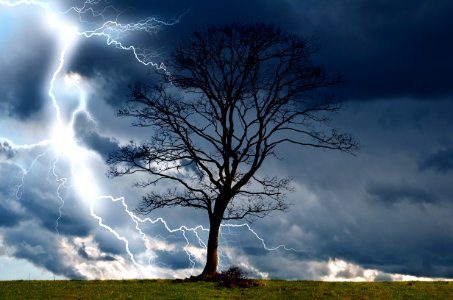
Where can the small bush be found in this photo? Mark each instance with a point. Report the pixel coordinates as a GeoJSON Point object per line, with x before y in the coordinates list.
{"type": "Point", "coordinates": [234, 277]}
{"type": "Point", "coordinates": [231, 277]}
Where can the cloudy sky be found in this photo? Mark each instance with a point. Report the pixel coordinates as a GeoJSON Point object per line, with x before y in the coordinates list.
{"type": "Point", "coordinates": [384, 214]}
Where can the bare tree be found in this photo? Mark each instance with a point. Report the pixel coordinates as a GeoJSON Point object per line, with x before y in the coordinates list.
{"type": "Point", "coordinates": [236, 93]}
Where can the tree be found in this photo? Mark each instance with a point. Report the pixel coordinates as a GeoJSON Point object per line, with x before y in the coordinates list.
{"type": "Point", "coordinates": [235, 93]}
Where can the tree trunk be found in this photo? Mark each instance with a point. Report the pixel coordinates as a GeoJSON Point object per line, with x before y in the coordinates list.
{"type": "Point", "coordinates": [212, 259]}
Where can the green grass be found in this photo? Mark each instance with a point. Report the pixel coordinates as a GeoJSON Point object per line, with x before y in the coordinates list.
{"type": "Point", "coordinates": [272, 289]}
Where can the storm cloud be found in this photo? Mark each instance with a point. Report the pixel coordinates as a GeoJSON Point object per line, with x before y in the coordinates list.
{"type": "Point", "coordinates": [25, 66]}
{"type": "Point", "coordinates": [6, 150]}
{"type": "Point", "coordinates": [441, 161]}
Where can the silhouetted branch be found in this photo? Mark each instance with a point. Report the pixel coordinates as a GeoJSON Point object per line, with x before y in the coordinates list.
{"type": "Point", "coordinates": [236, 94]}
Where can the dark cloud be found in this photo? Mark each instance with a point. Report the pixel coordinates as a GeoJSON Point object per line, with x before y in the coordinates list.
{"type": "Point", "coordinates": [174, 260]}
{"type": "Point", "coordinates": [41, 248]}
{"type": "Point", "coordinates": [41, 203]}
{"type": "Point", "coordinates": [102, 145]}
{"type": "Point", "coordinates": [84, 254]}
{"type": "Point", "coordinates": [9, 177]}
{"type": "Point", "coordinates": [71, 222]}
{"type": "Point", "coordinates": [376, 209]}
{"type": "Point", "coordinates": [196, 14]}
{"type": "Point", "coordinates": [25, 62]}
{"type": "Point", "coordinates": [6, 150]}
{"type": "Point", "coordinates": [8, 217]}
{"type": "Point", "coordinates": [34, 198]}
{"type": "Point", "coordinates": [441, 161]}
{"type": "Point", "coordinates": [108, 244]}
{"type": "Point", "coordinates": [394, 193]}
{"type": "Point", "coordinates": [381, 47]}
{"type": "Point", "coordinates": [94, 58]}
{"type": "Point", "coordinates": [400, 240]}
{"type": "Point", "coordinates": [87, 135]}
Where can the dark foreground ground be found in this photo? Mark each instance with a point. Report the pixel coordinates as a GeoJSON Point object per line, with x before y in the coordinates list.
{"type": "Point", "coordinates": [272, 289]}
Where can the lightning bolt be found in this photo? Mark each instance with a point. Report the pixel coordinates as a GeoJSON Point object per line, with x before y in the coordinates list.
{"type": "Point", "coordinates": [25, 172]}
{"type": "Point", "coordinates": [63, 141]}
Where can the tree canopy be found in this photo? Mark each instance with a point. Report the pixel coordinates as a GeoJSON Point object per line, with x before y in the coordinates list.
{"type": "Point", "coordinates": [235, 94]}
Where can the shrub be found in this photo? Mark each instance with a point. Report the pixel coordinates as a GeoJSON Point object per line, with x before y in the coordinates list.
{"type": "Point", "coordinates": [234, 277]}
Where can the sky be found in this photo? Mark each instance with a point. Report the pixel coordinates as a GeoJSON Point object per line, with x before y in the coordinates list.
{"type": "Point", "coordinates": [385, 213]}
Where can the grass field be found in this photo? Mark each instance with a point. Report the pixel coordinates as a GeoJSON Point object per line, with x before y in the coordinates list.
{"type": "Point", "coordinates": [273, 289]}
